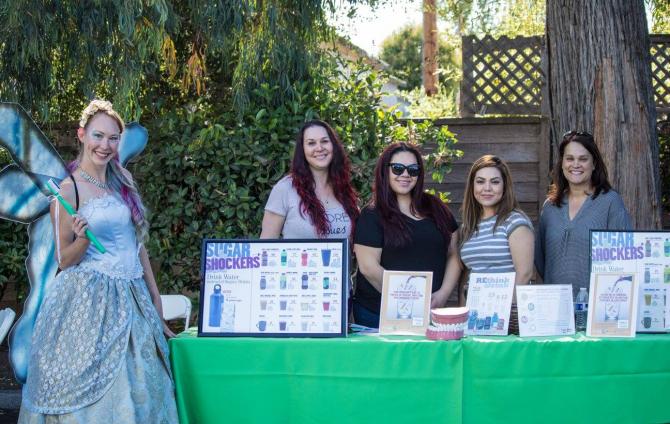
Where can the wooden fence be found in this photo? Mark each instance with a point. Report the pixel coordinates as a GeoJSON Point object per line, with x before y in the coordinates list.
{"type": "Point", "coordinates": [522, 142]}
{"type": "Point", "coordinates": [507, 75]}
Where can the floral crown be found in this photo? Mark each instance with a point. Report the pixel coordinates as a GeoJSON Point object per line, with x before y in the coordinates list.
{"type": "Point", "coordinates": [99, 106]}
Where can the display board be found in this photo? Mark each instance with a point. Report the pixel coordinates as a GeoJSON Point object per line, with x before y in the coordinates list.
{"type": "Point", "coordinates": [646, 256]}
{"type": "Point", "coordinates": [274, 288]}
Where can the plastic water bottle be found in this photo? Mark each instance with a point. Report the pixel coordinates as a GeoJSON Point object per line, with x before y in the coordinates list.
{"type": "Point", "coordinates": [581, 309]}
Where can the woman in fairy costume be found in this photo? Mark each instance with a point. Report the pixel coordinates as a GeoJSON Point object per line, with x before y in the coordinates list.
{"type": "Point", "coordinates": [98, 351]}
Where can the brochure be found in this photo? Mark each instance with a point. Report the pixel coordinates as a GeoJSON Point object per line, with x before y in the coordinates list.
{"type": "Point", "coordinates": [612, 305]}
{"type": "Point", "coordinates": [545, 310]}
{"type": "Point", "coordinates": [274, 288]}
{"type": "Point", "coordinates": [405, 305]}
{"type": "Point", "coordinates": [490, 302]}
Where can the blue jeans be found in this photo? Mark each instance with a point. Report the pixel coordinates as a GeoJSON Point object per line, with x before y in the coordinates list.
{"type": "Point", "coordinates": [364, 316]}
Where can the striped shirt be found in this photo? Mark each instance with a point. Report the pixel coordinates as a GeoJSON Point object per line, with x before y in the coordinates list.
{"type": "Point", "coordinates": [486, 251]}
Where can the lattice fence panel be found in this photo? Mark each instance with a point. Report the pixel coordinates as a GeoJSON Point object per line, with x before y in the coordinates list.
{"type": "Point", "coordinates": [502, 75]}
{"type": "Point", "coordinates": [505, 75]}
{"type": "Point", "coordinates": [660, 70]}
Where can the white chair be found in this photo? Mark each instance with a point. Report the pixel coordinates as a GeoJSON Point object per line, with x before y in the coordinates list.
{"type": "Point", "coordinates": [176, 306]}
{"type": "Point", "coordinates": [6, 320]}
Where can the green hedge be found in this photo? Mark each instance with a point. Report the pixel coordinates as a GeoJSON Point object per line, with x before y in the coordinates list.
{"type": "Point", "coordinates": [207, 170]}
{"type": "Point", "coordinates": [13, 246]}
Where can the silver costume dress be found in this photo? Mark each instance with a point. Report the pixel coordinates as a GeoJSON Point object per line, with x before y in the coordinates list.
{"type": "Point", "coordinates": [98, 352]}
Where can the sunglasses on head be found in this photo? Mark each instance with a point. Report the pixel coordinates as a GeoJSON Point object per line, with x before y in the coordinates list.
{"type": "Point", "coordinates": [577, 133]}
{"type": "Point", "coordinates": [398, 168]}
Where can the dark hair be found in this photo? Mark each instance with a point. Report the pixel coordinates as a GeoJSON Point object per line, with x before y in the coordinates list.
{"type": "Point", "coordinates": [384, 200]}
{"type": "Point", "coordinates": [599, 179]}
{"type": "Point", "coordinates": [339, 178]}
{"type": "Point", "coordinates": [472, 210]}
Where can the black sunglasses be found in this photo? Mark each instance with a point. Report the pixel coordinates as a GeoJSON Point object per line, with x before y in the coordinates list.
{"type": "Point", "coordinates": [398, 168]}
{"type": "Point", "coordinates": [577, 133]}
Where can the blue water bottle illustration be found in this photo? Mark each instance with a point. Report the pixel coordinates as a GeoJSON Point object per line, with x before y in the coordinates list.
{"type": "Point", "coordinates": [283, 257]}
{"type": "Point", "coordinates": [263, 283]}
{"type": "Point", "coordinates": [472, 320]}
{"type": "Point", "coordinates": [215, 306]}
{"type": "Point", "coordinates": [304, 281]}
{"type": "Point", "coordinates": [264, 258]}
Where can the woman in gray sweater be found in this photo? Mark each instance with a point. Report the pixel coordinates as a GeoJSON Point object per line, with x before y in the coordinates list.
{"type": "Point", "coordinates": [580, 199]}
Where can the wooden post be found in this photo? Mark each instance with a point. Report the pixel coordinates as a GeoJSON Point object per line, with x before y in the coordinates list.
{"type": "Point", "coordinates": [429, 47]}
{"type": "Point", "coordinates": [465, 97]}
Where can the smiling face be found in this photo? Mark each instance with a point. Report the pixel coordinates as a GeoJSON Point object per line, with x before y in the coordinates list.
{"type": "Point", "coordinates": [318, 148]}
{"type": "Point", "coordinates": [402, 184]}
{"type": "Point", "coordinates": [577, 166]}
{"type": "Point", "coordinates": [100, 140]}
{"type": "Point", "coordinates": [488, 189]}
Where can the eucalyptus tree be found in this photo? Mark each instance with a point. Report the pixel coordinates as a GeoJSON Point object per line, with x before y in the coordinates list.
{"type": "Point", "coordinates": [55, 54]}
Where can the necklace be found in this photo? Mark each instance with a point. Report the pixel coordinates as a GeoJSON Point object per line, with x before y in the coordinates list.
{"type": "Point", "coordinates": [99, 184]}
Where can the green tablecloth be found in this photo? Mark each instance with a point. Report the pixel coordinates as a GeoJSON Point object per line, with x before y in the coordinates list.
{"type": "Point", "coordinates": [410, 379]}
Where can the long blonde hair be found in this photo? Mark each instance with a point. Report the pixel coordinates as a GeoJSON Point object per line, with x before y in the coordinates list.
{"type": "Point", "coordinates": [472, 210]}
{"type": "Point", "coordinates": [118, 180]}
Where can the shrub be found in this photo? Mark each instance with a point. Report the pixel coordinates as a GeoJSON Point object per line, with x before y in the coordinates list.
{"type": "Point", "coordinates": [208, 171]}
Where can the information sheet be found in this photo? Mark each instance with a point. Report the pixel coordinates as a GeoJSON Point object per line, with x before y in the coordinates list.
{"type": "Point", "coordinates": [612, 305]}
{"type": "Point", "coordinates": [490, 302]}
{"type": "Point", "coordinates": [545, 310]}
{"type": "Point", "coordinates": [405, 304]}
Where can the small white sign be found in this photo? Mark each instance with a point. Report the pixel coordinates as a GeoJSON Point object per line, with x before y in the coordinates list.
{"type": "Point", "coordinates": [405, 305]}
{"type": "Point", "coordinates": [545, 310]}
{"type": "Point", "coordinates": [612, 305]}
{"type": "Point", "coordinates": [490, 301]}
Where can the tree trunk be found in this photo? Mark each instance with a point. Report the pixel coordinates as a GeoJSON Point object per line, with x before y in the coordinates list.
{"type": "Point", "coordinates": [429, 47]}
{"type": "Point", "coordinates": [600, 81]}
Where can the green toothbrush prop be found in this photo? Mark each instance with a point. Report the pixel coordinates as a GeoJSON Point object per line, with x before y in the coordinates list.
{"type": "Point", "coordinates": [54, 189]}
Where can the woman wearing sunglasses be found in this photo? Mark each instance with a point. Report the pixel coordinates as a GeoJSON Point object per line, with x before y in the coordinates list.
{"type": "Point", "coordinates": [580, 199]}
{"type": "Point", "coordinates": [316, 199]}
{"type": "Point", "coordinates": [495, 236]}
{"type": "Point", "coordinates": [402, 229]}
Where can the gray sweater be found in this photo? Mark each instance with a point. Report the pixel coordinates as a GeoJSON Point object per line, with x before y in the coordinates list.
{"type": "Point", "coordinates": [562, 246]}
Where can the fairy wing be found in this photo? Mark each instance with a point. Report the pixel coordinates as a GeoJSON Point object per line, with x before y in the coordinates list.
{"type": "Point", "coordinates": [29, 147]}
{"type": "Point", "coordinates": [133, 141]}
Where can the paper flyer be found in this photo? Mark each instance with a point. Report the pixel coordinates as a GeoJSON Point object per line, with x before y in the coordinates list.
{"type": "Point", "coordinates": [490, 302]}
{"type": "Point", "coordinates": [270, 287]}
{"type": "Point", "coordinates": [405, 304]}
{"type": "Point", "coordinates": [612, 305]}
{"type": "Point", "coordinates": [646, 255]}
{"type": "Point", "coordinates": [545, 310]}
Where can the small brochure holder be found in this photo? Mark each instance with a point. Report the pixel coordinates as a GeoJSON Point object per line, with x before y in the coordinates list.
{"type": "Point", "coordinates": [490, 303]}
{"type": "Point", "coordinates": [405, 305]}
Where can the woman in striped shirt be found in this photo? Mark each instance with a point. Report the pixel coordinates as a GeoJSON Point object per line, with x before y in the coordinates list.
{"type": "Point", "coordinates": [495, 235]}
